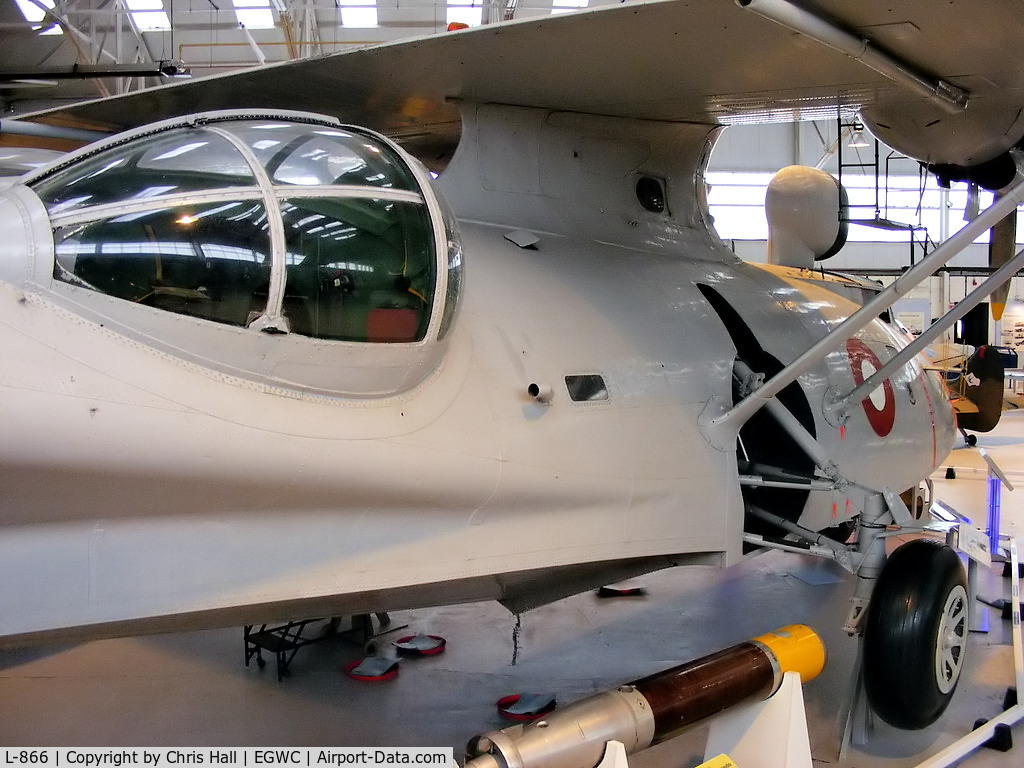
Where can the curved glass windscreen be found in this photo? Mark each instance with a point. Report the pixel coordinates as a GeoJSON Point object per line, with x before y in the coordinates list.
{"type": "Point", "coordinates": [186, 160]}
{"type": "Point", "coordinates": [245, 222]}
{"type": "Point", "coordinates": [295, 154]}
{"type": "Point", "coordinates": [210, 261]}
{"type": "Point", "coordinates": [359, 269]}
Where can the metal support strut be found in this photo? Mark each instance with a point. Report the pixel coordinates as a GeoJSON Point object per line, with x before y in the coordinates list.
{"type": "Point", "coordinates": [935, 330]}
{"type": "Point", "coordinates": [719, 428]}
{"type": "Point", "coordinates": [871, 547]}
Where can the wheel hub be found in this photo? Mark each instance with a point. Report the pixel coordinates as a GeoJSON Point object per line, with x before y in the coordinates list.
{"type": "Point", "coordinates": [951, 640]}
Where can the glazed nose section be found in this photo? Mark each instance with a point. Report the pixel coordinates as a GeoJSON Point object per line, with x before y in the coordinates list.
{"type": "Point", "coordinates": [278, 246]}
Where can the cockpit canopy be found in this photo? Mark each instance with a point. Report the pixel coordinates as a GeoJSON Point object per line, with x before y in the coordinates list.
{"type": "Point", "coordinates": [281, 228]}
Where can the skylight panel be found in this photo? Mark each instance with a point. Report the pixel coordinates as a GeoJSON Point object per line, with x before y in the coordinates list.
{"type": "Point", "coordinates": [254, 14]}
{"type": "Point", "coordinates": [33, 12]}
{"type": "Point", "coordinates": [358, 13]}
{"type": "Point", "coordinates": [149, 15]}
{"type": "Point", "coordinates": [36, 15]}
{"type": "Point", "coordinates": [465, 13]}
{"type": "Point", "coordinates": [565, 6]}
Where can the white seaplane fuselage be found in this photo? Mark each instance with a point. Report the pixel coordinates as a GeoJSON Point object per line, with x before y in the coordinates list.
{"type": "Point", "coordinates": [145, 491]}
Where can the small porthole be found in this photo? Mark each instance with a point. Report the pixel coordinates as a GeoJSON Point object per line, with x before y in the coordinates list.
{"type": "Point", "coordinates": [586, 388]}
{"type": "Point", "coordinates": [651, 194]}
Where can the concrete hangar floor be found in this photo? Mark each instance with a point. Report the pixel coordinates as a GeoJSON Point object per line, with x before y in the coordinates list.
{"type": "Point", "coordinates": [192, 689]}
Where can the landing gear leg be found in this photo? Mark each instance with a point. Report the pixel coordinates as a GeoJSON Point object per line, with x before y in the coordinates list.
{"type": "Point", "coordinates": [871, 551]}
{"type": "Point", "coordinates": [971, 440]}
{"type": "Point", "coordinates": [912, 612]}
{"type": "Point", "coordinates": [871, 554]}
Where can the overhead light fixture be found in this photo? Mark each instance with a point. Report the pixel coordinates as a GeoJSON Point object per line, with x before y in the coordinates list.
{"type": "Point", "coordinates": [857, 139]}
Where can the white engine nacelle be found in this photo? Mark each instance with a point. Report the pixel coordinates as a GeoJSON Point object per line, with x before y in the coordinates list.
{"type": "Point", "coordinates": [807, 221]}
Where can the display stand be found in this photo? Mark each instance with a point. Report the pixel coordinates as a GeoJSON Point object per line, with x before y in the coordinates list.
{"type": "Point", "coordinates": [855, 717]}
{"type": "Point", "coordinates": [975, 544]}
{"type": "Point", "coordinates": [762, 734]}
{"type": "Point", "coordinates": [614, 756]}
{"type": "Point", "coordinates": [996, 480]}
{"type": "Point", "coordinates": [765, 734]}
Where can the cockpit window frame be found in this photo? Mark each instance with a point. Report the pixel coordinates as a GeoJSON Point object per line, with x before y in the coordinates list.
{"type": "Point", "coordinates": [334, 366]}
{"type": "Point", "coordinates": [271, 192]}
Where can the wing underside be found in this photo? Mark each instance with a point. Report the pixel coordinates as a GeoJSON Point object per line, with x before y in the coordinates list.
{"type": "Point", "coordinates": [709, 61]}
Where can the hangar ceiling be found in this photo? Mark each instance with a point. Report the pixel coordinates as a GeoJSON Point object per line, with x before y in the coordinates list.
{"type": "Point", "coordinates": [54, 51]}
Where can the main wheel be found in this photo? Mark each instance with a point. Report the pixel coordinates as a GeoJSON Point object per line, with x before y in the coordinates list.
{"type": "Point", "coordinates": [916, 634]}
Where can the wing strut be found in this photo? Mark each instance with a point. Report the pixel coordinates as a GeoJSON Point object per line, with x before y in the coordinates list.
{"type": "Point", "coordinates": [934, 331]}
{"type": "Point", "coordinates": [718, 429]}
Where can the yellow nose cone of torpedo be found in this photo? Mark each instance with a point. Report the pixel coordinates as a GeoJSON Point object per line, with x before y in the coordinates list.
{"type": "Point", "coordinates": [797, 648]}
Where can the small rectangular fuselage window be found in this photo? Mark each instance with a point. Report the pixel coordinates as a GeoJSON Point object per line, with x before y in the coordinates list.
{"type": "Point", "coordinates": [587, 388]}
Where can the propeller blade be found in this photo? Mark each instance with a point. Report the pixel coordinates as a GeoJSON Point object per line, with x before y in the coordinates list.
{"type": "Point", "coordinates": [1001, 248]}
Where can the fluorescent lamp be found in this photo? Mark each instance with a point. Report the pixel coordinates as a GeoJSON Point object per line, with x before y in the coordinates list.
{"type": "Point", "coordinates": [857, 139]}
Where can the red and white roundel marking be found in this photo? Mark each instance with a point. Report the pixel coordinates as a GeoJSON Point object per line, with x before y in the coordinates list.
{"type": "Point", "coordinates": [880, 405]}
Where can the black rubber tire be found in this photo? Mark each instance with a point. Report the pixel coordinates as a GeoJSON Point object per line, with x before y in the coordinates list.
{"type": "Point", "coordinates": [972, 440]}
{"type": "Point", "coordinates": [916, 634]}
